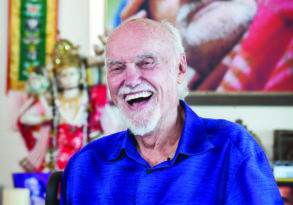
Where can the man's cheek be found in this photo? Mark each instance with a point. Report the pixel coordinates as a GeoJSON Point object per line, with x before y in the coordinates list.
{"type": "Point", "coordinates": [113, 94]}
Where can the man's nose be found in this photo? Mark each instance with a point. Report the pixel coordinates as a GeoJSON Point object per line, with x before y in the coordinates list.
{"type": "Point", "coordinates": [132, 75]}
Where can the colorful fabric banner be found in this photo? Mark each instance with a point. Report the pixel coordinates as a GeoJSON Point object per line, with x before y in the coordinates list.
{"type": "Point", "coordinates": [32, 35]}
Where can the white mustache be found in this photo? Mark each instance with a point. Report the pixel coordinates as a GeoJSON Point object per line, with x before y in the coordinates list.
{"type": "Point", "coordinates": [124, 90]}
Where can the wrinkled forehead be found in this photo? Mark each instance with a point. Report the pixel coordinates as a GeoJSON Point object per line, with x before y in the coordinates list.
{"type": "Point", "coordinates": [136, 38]}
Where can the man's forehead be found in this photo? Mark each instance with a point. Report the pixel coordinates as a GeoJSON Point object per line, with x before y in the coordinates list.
{"type": "Point", "coordinates": [139, 26]}
{"type": "Point", "coordinates": [137, 38]}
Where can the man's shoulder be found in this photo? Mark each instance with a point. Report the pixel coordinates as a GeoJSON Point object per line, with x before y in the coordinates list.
{"type": "Point", "coordinates": [101, 148]}
{"type": "Point", "coordinates": [226, 133]}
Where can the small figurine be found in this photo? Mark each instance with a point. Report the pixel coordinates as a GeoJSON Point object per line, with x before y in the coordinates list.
{"type": "Point", "coordinates": [34, 122]}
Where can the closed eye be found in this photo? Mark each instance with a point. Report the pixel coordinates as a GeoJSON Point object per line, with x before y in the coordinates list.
{"type": "Point", "coordinates": [146, 63]}
{"type": "Point", "coordinates": [116, 68]}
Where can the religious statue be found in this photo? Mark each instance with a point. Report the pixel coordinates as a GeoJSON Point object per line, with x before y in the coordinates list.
{"type": "Point", "coordinates": [61, 124]}
{"type": "Point", "coordinates": [34, 121]}
{"type": "Point", "coordinates": [70, 103]}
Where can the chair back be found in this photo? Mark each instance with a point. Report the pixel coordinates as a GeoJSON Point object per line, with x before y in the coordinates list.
{"type": "Point", "coordinates": [53, 189]}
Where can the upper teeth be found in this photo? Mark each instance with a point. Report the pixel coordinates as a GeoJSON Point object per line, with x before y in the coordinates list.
{"type": "Point", "coordinates": [143, 94]}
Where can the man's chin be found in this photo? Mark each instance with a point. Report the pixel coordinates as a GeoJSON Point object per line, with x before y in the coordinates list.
{"type": "Point", "coordinates": [140, 132]}
{"type": "Point", "coordinates": [142, 128]}
{"type": "Point", "coordinates": [141, 122]}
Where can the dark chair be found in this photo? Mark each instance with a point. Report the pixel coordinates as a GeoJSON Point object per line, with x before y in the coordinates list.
{"type": "Point", "coordinates": [52, 192]}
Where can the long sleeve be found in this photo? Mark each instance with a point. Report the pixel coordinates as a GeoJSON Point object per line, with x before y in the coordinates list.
{"type": "Point", "coordinates": [254, 183]}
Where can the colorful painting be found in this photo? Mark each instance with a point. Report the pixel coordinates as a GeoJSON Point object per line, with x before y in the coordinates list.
{"type": "Point", "coordinates": [232, 47]}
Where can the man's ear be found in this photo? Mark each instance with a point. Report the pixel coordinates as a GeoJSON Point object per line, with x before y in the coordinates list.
{"type": "Point", "coordinates": [182, 69]}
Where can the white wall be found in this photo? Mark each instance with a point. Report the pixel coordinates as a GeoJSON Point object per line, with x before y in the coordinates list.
{"type": "Point", "coordinates": [80, 21]}
{"type": "Point", "coordinates": [73, 22]}
{"type": "Point", "coordinates": [11, 147]}
{"type": "Point", "coordinates": [81, 28]}
{"type": "Point", "coordinates": [262, 120]}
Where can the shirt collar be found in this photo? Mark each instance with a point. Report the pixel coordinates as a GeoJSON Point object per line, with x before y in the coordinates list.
{"type": "Point", "coordinates": [193, 138]}
{"type": "Point", "coordinates": [126, 145]}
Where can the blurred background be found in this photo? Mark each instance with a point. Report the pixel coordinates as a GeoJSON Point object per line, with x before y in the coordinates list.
{"type": "Point", "coordinates": [53, 95]}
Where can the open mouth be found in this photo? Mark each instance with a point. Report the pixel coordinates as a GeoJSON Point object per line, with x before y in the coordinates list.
{"type": "Point", "coordinates": [138, 98]}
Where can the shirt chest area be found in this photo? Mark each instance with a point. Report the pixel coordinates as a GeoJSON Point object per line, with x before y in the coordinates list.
{"type": "Point", "coordinates": [190, 180]}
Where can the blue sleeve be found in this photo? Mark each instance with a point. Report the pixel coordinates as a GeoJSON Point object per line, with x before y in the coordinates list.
{"type": "Point", "coordinates": [254, 183]}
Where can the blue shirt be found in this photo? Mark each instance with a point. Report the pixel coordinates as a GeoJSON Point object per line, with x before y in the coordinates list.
{"type": "Point", "coordinates": [216, 162]}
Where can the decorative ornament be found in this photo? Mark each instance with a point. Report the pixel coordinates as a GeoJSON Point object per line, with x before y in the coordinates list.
{"type": "Point", "coordinates": [65, 55]}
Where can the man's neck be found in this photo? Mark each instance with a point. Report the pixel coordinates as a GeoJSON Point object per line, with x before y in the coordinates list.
{"type": "Point", "coordinates": [161, 144]}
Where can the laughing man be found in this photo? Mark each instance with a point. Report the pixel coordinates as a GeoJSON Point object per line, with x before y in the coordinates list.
{"type": "Point", "coordinates": [169, 155]}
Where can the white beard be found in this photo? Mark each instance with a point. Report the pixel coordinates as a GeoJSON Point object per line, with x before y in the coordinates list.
{"type": "Point", "coordinates": [141, 122]}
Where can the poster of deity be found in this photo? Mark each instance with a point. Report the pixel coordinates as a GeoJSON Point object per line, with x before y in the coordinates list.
{"type": "Point", "coordinates": [232, 47]}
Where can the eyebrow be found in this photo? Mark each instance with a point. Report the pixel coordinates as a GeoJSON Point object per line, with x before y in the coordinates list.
{"type": "Point", "coordinates": [110, 61]}
{"type": "Point", "coordinates": [141, 58]}
{"type": "Point", "coordinates": [137, 58]}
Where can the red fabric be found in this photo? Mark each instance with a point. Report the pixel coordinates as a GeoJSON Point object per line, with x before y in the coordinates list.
{"type": "Point", "coordinates": [98, 100]}
{"type": "Point", "coordinates": [266, 46]}
{"type": "Point", "coordinates": [69, 141]}
{"type": "Point", "coordinates": [281, 78]}
{"type": "Point", "coordinates": [26, 132]}
{"type": "Point", "coordinates": [267, 42]}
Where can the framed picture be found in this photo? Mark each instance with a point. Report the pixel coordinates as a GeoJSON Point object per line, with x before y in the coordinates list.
{"type": "Point", "coordinates": [237, 53]}
{"type": "Point", "coordinates": [283, 143]}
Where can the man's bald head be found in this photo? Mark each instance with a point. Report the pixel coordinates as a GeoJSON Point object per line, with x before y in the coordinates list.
{"type": "Point", "coordinates": [151, 30]}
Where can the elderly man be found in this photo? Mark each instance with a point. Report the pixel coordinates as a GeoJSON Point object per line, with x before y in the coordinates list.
{"type": "Point", "coordinates": [169, 155]}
